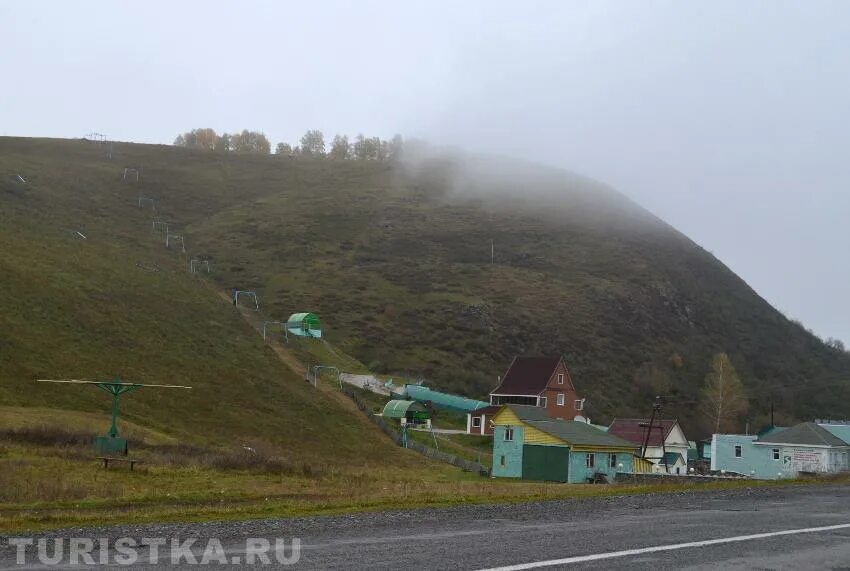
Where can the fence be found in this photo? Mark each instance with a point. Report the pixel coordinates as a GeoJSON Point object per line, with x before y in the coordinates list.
{"type": "Point", "coordinates": [434, 454]}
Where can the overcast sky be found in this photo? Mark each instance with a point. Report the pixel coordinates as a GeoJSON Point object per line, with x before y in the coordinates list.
{"type": "Point", "coordinates": [730, 120]}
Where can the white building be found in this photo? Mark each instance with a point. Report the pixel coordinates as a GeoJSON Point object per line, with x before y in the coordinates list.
{"type": "Point", "coordinates": [666, 444]}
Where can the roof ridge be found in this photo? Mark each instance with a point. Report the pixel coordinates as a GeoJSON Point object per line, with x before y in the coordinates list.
{"type": "Point", "coordinates": [819, 431]}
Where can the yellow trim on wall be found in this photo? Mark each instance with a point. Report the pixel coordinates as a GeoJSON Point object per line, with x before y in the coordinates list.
{"type": "Point", "coordinates": [604, 449]}
{"type": "Point", "coordinates": [506, 416]}
{"type": "Point", "coordinates": [641, 466]}
{"type": "Point", "coordinates": [531, 435]}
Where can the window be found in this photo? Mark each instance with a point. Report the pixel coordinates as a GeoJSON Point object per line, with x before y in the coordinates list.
{"type": "Point", "coordinates": [738, 451]}
{"type": "Point", "coordinates": [776, 453]}
{"type": "Point", "coordinates": [612, 460]}
{"type": "Point", "coordinates": [502, 460]}
{"type": "Point", "coordinates": [560, 378]}
{"type": "Point", "coordinates": [580, 404]}
{"type": "Point", "coordinates": [509, 435]}
{"type": "Point", "coordinates": [560, 400]}
{"type": "Point", "coordinates": [590, 460]}
{"type": "Point", "coordinates": [476, 422]}
{"type": "Point", "coordinates": [543, 402]}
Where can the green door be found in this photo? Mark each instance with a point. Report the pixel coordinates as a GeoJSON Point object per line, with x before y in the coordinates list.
{"type": "Point", "coordinates": [547, 463]}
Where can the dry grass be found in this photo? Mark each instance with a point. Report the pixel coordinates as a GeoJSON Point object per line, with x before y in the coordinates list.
{"type": "Point", "coordinates": [43, 488]}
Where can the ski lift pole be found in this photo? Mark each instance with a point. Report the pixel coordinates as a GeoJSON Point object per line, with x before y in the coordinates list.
{"type": "Point", "coordinates": [116, 389]}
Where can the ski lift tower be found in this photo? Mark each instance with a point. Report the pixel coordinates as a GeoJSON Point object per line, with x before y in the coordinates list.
{"type": "Point", "coordinates": [112, 443]}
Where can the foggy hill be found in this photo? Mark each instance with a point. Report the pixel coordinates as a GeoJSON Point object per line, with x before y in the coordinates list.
{"type": "Point", "coordinates": [396, 259]}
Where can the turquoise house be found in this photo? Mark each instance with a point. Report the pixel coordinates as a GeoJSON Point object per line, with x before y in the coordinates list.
{"type": "Point", "coordinates": [805, 448]}
{"type": "Point", "coordinates": [530, 445]}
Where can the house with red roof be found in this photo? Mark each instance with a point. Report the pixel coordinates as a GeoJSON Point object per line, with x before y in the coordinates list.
{"type": "Point", "coordinates": [539, 381]}
{"type": "Point", "coordinates": [666, 444]}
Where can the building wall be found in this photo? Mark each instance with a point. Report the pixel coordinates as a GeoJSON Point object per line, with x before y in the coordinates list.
{"type": "Point", "coordinates": [484, 428]}
{"type": "Point", "coordinates": [755, 461]}
{"type": "Point", "coordinates": [567, 411]}
{"type": "Point", "coordinates": [579, 472]}
{"type": "Point", "coordinates": [655, 453]}
{"type": "Point", "coordinates": [511, 451]}
{"type": "Point", "coordinates": [814, 458]}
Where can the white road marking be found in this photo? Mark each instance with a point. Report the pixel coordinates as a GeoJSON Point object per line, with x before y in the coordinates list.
{"type": "Point", "coordinates": [657, 548]}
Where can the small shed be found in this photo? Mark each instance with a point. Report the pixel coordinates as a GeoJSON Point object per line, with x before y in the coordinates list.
{"type": "Point", "coordinates": [407, 412]}
{"type": "Point", "coordinates": [304, 325]}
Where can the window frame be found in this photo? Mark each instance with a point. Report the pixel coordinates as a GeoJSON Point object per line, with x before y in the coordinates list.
{"type": "Point", "coordinates": [777, 454]}
{"type": "Point", "coordinates": [509, 432]}
{"type": "Point", "coordinates": [543, 402]}
{"type": "Point", "coordinates": [474, 420]}
{"type": "Point", "coordinates": [560, 378]}
{"type": "Point", "coordinates": [612, 460]}
{"type": "Point", "coordinates": [739, 451]}
{"type": "Point", "coordinates": [579, 404]}
{"type": "Point", "coordinates": [502, 461]}
{"type": "Point", "coordinates": [561, 399]}
{"type": "Point", "coordinates": [590, 460]}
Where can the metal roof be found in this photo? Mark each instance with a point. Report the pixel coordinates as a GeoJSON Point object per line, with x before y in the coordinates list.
{"type": "Point", "coordinates": [768, 430]}
{"type": "Point", "coordinates": [671, 458]}
{"type": "Point", "coordinates": [527, 376]}
{"type": "Point", "coordinates": [579, 433]}
{"type": "Point", "coordinates": [634, 430]}
{"type": "Point", "coordinates": [399, 408]}
{"type": "Point", "coordinates": [805, 434]}
{"type": "Point", "coordinates": [842, 431]}
{"type": "Point", "coordinates": [529, 412]}
{"type": "Point", "coordinates": [442, 400]}
{"type": "Point", "coordinates": [304, 325]}
{"type": "Point", "coordinates": [488, 410]}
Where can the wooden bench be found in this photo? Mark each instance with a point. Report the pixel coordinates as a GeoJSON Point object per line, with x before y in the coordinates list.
{"type": "Point", "coordinates": [108, 459]}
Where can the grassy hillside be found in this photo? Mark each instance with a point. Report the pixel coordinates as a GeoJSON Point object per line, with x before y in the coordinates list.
{"type": "Point", "coordinates": [118, 302]}
{"type": "Point", "coordinates": [396, 261]}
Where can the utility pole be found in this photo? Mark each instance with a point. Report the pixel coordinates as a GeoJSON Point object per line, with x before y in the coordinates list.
{"type": "Point", "coordinates": [657, 409]}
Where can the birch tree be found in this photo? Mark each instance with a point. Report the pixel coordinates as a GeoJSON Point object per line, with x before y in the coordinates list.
{"type": "Point", "coordinates": [723, 398]}
{"type": "Point", "coordinates": [340, 147]}
{"type": "Point", "coordinates": [313, 143]}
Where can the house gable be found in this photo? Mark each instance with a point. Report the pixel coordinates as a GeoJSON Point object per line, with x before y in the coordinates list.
{"type": "Point", "coordinates": [676, 437]}
{"type": "Point", "coordinates": [567, 384]}
{"type": "Point", "coordinates": [527, 376]}
{"type": "Point", "coordinates": [531, 435]}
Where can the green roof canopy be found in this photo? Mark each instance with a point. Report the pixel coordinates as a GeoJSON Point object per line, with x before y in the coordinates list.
{"type": "Point", "coordinates": [442, 400]}
{"type": "Point", "coordinates": [304, 325]}
{"type": "Point", "coordinates": [400, 408]}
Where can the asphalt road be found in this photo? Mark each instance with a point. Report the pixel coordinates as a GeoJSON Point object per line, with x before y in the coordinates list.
{"type": "Point", "coordinates": [574, 534]}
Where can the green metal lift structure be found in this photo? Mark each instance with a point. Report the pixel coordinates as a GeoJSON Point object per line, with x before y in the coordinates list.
{"type": "Point", "coordinates": [112, 442]}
